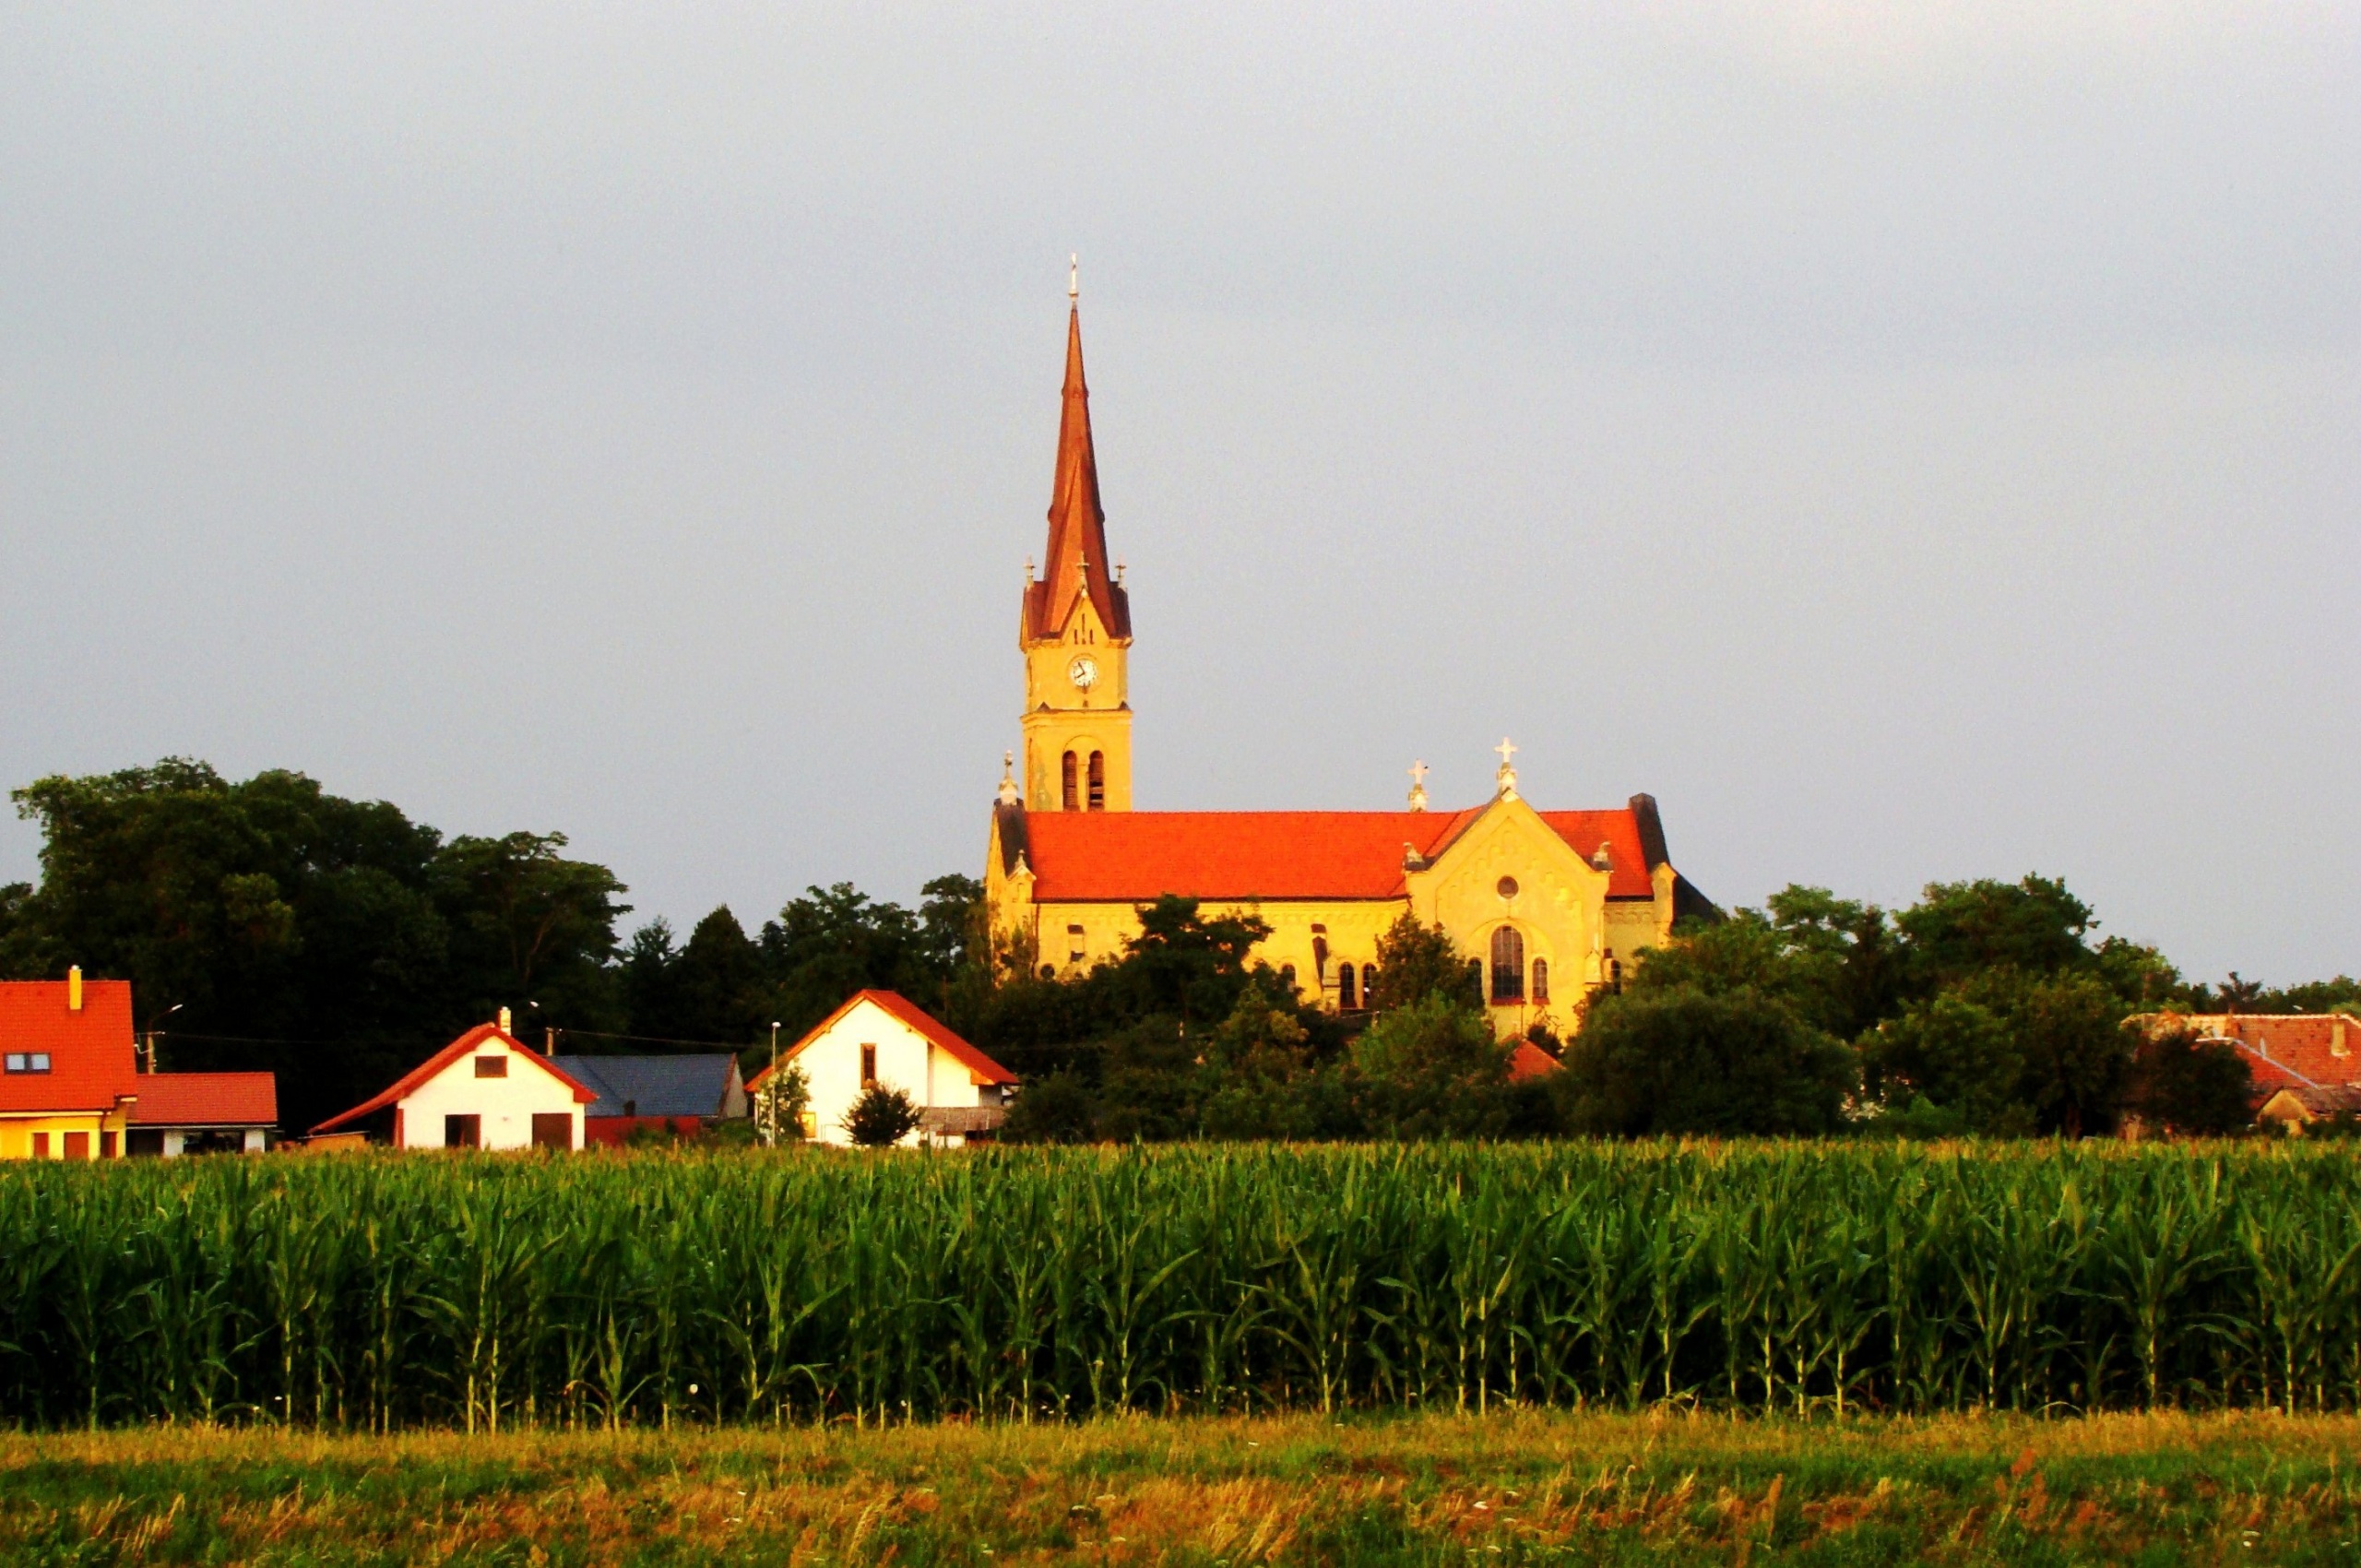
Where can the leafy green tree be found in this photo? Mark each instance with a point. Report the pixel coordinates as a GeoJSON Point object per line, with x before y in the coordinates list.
{"type": "Point", "coordinates": [1058, 1109]}
{"type": "Point", "coordinates": [2194, 1086]}
{"type": "Point", "coordinates": [1958, 930]}
{"type": "Point", "coordinates": [1834, 962]}
{"type": "Point", "coordinates": [528, 923]}
{"type": "Point", "coordinates": [1416, 961]}
{"type": "Point", "coordinates": [881, 1117]}
{"type": "Point", "coordinates": [1433, 1069]}
{"type": "Point", "coordinates": [1690, 1060]}
{"type": "Point", "coordinates": [1954, 1054]}
{"type": "Point", "coordinates": [2077, 1057]}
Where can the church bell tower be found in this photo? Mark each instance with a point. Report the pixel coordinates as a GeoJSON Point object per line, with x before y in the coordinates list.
{"type": "Point", "coordinates": [1076, 631]}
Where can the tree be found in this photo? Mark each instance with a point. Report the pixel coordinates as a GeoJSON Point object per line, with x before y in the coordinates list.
{"type": "Point", "coordinates": [1954, 1054]}
{"type": "Point", "coordinates": [1183, 966]}
{"type": "Point", "coordinates": [2191, 1086]}
{"type": "Point", "coordinates": [881, 1117]}
{"type": "Point", "coordinates": [1834, 962]}
{"type": "Point", "coordinates": [1960, 929]}
{"type": "Point", "coordinates": [1416, 961]}
{"type": "Point", "coordinates": [2077, 1056]}
{"type": "Point", "coordinates": [780, 1103]}
{"type": "Point", "coordinates": [1688, 1061]}
{"type": "Point", "coordinates": [1433, 1069]}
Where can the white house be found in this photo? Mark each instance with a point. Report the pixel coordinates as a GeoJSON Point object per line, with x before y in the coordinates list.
{"type": "Point", "coordinates": [879, 1038]}
{"type": "Point", "coordinates": [484, 1091]}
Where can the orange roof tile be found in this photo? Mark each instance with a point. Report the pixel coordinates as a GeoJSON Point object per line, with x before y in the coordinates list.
{"type": "Point", "coordinates": [1134, 857]}
{"type": "Point", "coordinates": [408, 1082]}
{"type": "Point", "coordinates": [981, 1067]}
{"type": "Point", "coordinates": [91, 1052]}
{"type": "Point", "coordinates": [1529, 1060]}
{"type": "Point", "coordinates": [206, 1099]}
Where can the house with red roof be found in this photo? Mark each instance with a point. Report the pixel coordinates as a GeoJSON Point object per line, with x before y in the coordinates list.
{"type": "Point", "coordinates": [71, 1088]}
{"type": "Point", "coordinates": [484, 1090]}
{"type": "Point", "coordinates": [880, 1037]}
{"type": "Point", "coordinates": [2305, 1065]}
{"type": "Point", "coordinates": [1548, 906]}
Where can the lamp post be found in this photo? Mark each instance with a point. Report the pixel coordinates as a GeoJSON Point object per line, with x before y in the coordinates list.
{"type": "Point", "coordinates": [770, 1094]}
{"type": "Point", "coordinates": [153, 1031]}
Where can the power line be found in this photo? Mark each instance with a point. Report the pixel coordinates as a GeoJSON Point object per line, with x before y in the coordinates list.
{"type": "Point", "coordinates": [653, 1039]}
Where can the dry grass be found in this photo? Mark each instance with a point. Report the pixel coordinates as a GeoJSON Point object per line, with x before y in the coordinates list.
{"type": "Point", "coordinates": [1524, 1487]}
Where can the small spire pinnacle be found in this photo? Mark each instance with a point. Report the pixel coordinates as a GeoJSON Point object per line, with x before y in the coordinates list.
{"type": "Point", "coordinates": [1008, 778]}
{"type": "Point", "coordinates": [1418, 771]}
{"type": "Point", "coordinates": [1073, 276]}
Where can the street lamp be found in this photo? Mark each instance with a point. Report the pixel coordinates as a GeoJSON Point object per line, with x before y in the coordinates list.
{"type": "Point", "coordinates": [770, 1094]}
{"type": "Point", "coordinates": [153, 1031]}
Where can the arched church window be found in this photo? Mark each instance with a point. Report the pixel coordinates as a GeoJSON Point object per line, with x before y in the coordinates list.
{"type": "Point", "coordinates": [1072, 798]}
{"type": "Point", "coordinates": [1541, 980]}
{"type": "Point", "coordinates": [1287, 977]}
{"type": "Point", "coordinates": [1347, 994]}
{"type": "Point", "coordinates": [1368, 985]}
{"type": "Point", "coordinates": [1615, 975]}
{"type": "Point", "coordinates": [1507, 965]}
{"type": "Point", "coordinates": [1098, 781]}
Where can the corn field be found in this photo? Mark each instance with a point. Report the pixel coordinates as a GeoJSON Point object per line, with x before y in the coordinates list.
{"type": "Point", "coordinates": [485, 1292]}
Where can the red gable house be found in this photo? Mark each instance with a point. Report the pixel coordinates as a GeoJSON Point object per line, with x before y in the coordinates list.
{"type": "Point", "coordinates": [484, 1091]}
{"type": "Point", "coordinates": [72, 1089]}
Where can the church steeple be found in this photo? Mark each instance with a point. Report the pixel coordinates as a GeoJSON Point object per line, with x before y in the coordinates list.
{"type": "Point", "coordinates": [1075, 564]}
{"type": "Point", "coordinates": [1075, 630]}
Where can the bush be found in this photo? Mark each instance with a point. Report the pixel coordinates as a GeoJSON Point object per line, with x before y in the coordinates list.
{"type": "Point", "coordinates": [1682, 1061]}
{"type": "Point", "coordinates": [881, 1117]}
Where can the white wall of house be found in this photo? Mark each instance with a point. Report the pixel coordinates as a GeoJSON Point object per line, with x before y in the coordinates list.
{"type": "Point", "coordinates": [506, 1105]}
{"type": "Point", "coordinates": [906, 1060]}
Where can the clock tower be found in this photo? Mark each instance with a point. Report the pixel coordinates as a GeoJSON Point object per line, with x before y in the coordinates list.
{"type": "Point", "coordinates": [1076, 631]}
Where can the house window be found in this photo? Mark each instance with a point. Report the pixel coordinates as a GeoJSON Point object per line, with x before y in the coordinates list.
{"type": "Point", "coordinates": [1347, 994]}
{"type": "Point", "coordinates": [28, 1061]}
{"type": "Point", "coordinates": [1072, 800]}
{"type": "Point", "coordinates": [867, 1065]}
{"type": "Point", "coordinates": [40, 1146]}
{"type": "Point", "coordinates": [77, 1145]}
{"type": "Point", "coordinates": [1098, 781]}
{"type": "Point", "coordinates": [1076, 949]}
{"type": "Point", "coordinates": [553, 1129]}
{"type": "Point", "coordinates": [1541, 980]}
{"type": "Point", "coordinates": [1507, 965]}
{"type": "Point", "coordinates": [491, 1066]}
{"type": "Point", "coordinates": [463, 1132]}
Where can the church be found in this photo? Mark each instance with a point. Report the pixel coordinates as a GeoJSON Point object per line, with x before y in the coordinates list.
{"type": "Point", "coordinates": [1550, 905]}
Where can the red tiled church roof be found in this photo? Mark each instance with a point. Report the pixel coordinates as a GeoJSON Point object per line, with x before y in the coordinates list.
{"type": "Point", "coordinates": [1133, 857]}
{"type": "Point", "coordinates": [205, 1100]}
{"type": "Point", "coordinates": [91, 1052]}
{"type": "Point", "coordinates": [410, 1082]}
{"type": "Point", "coordinates": [981, 1067]}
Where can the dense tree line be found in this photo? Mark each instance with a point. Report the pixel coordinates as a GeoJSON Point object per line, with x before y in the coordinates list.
{"type": "Point", "coordinates": [269, 924]}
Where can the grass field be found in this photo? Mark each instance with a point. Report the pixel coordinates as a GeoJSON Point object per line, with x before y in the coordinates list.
{"type": "Point", "coordinates": [1520, 1487]}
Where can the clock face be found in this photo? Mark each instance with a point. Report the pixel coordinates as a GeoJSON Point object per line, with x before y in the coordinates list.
{"type": "Point", "coordinates": [1083, 672]}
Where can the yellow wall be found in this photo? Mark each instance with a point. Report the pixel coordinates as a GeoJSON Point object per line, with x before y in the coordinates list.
{"type": "Point", "coordinates": [1061, 715]}
{"type": "Point", "coordinates": [16, 1133]}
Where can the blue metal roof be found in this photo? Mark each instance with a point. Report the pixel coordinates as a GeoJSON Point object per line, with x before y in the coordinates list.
{"type": "Point", "coordinates": [654, 1085]}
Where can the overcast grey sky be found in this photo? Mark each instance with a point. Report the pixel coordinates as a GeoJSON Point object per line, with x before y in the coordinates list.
{"type": "Point", "coordinates": [1913, 441]}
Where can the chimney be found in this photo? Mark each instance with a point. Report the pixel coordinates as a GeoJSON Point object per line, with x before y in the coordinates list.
{"type": "Point", "coordinates": [503, 1020]}
{"type": "Point", "coordinates": [74, 988]}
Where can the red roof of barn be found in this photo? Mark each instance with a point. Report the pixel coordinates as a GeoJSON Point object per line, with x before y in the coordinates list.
{"type": "Point", "coordinates": [91, 1052]}
{"type": "Point", "coordinates": [1133, 857]}
{"type": "Point", "coordinates": [2283, 1048]}
{"type": "Point", "coordinates": [410, 1082]}
{"type": "Point", "coordinates": [206, 1099]}
{"type": "Point", "coordinates": [981, 1067]}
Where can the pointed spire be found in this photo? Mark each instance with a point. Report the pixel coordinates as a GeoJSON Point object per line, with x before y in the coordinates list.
{"type": "Point", "coordinates": [1075, 564]}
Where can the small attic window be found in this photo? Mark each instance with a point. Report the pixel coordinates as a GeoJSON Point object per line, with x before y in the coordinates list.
{"type": "Point", "coordinates": [28, 1061]}
{"type": "Point", "coordinates": [491, 1066]}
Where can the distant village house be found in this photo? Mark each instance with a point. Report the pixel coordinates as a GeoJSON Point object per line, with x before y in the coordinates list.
{"type": "Point", "coordinates": [878, 1037]}
{"type": "Point", "coordinates": [484, 1091]}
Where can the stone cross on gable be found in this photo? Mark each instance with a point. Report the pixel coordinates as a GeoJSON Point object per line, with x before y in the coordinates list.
{"type": "Point", "coordinates": [1417, 786]}
{"type": "Point", "coordinates": [1507, 775]}
{"type": "Point", "coordinates": [1507, 749]}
